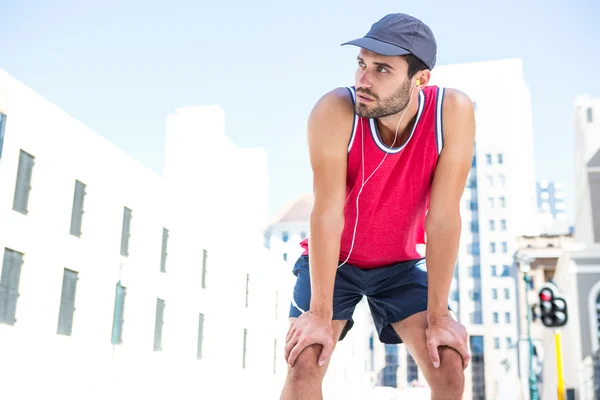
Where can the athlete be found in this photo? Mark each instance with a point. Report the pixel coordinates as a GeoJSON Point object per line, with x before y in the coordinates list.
{"type": "Point", "coordinates": [390, 157]}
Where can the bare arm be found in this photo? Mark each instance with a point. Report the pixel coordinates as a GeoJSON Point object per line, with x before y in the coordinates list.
{"type": "Point", "coordinates": [329, 130]}
{"type": "Point", "coordinates": [443, 223]}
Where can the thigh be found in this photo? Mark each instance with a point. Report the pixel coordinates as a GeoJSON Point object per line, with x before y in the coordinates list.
{"type": "Point", "coordinates": [346, 295]}
{"type": "Point", "coordinates": [412, 332]}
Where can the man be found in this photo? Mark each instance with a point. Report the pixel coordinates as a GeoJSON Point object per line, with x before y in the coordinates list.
{"type": "Point", "coordinates": [390, 157]}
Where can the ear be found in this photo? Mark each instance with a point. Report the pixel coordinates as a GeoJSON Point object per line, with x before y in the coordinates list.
{"type": "Point", "coordinates": [422, 77]}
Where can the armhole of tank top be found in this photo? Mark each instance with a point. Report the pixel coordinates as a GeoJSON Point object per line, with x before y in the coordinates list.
{"type": "Point", "coordinates": [439, 120]}
{"type": "Point", "coordinates": [354, 123]}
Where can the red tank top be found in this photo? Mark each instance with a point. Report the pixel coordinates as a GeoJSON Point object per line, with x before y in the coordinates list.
{"type": "Point", "coordinates": [394, 201]}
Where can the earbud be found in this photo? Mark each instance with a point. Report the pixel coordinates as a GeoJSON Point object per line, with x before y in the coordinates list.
{"type": "Point", "coordinates": [418, 82]}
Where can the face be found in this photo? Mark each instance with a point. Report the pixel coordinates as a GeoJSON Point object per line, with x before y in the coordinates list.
{"type": "Point", "coordinates": [382, 85]}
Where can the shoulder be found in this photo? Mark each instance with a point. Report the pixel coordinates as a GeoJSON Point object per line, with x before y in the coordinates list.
{"type": "Point", "coordinates": [458, 115]}
{"type": "Point", "coordinates": [333, 104]}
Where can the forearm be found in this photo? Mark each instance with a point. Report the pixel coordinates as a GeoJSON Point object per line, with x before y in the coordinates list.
{"type": "Point", "coordinates": [442, 249]}
{"type": "Point", "coordinates": [324, 250]}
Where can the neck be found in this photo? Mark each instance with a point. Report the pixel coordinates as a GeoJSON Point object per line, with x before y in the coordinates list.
{"type": "Point", "coordinates": [406, 118]}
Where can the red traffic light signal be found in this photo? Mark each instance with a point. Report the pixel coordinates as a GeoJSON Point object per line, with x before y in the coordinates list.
{"type": "Point", "coordinates": [553, 307]}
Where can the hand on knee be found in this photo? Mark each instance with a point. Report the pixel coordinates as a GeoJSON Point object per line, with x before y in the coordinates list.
{"type": "Point", "coordinates": [449, 377]}
{"type": "Point", "coordinates": [306, 368]}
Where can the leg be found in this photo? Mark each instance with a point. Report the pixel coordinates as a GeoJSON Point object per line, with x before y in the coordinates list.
{"type": "Point", "coordinates": [304, 379]}
{"type": "Point", "coordinates": [447, 381]}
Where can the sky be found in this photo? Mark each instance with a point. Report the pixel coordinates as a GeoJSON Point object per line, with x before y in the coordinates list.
{"type": "Point", "coordinates": [120, 67]}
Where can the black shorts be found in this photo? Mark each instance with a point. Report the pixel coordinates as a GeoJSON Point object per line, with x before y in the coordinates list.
{"type": "Point", "coordinates": [393, 292]}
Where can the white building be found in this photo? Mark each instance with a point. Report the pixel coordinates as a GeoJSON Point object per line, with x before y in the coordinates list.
{"type": "Point", "coordinates": [551, 207]}
{"type": "Point", "coordinates": [118, 282]}
{"type": "Point", "coordinates": [499, 204]}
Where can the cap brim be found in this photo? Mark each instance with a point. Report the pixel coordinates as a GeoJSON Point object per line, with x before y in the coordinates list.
{"type": "Point", "coordinates": [377, 46]}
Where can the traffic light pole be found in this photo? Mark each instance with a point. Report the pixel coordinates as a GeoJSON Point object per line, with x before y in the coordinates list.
{"type": "Point", "coordinates": [533, 387]}
{"type": "Point", "coordinates": [559, 366]}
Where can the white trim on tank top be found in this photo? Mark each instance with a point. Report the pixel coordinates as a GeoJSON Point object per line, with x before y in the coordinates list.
{"type": "Point", "coordinates": [439, 122]}
{"type": "Point", "coordinates": [375, 131]}
{"type": "Point", "coordinates": [355, 125]}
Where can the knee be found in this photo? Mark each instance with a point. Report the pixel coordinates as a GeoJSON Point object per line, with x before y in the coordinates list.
{"type": "Point", "coordinates": [449, 378]}
{"type": "Point", "coordinates": [306, 368]}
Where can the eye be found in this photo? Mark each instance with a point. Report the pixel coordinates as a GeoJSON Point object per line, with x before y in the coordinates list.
{"type": "Point", "coordinates": [382, 69]}
{"type": "Point", "coordinates": [361, 64]}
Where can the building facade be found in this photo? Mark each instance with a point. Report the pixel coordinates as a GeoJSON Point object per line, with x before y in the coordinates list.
{"type": "Point", "coordinates": [498, 205]}
{"type": "Point", "coordinates": [119, 282]}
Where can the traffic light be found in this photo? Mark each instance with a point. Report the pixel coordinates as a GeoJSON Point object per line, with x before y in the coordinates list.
{"type": "Point", "coordinates": [553, 306]}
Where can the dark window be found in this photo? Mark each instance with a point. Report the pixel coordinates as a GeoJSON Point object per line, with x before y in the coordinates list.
{"type": "Point", "coordinates": [125, 234]}
{"type": "Point", "coordinates": [2, 126]}
{"type": "Point", "coordinates": [9, 285]}
{"type": "Point", "coordinates": [163, 251]}
{"type": "Point", "coordinates": [23, 186]}
{"type": "Point", "coordinates": [158, 325]}
{"type": "Point", "coordinates": [77, 211]}
{"type": "Point", "coordinates": [67, 303]}
{"type": "Point", "coordinates": [200, 335]}
{"type": "Point", "coordinates": [204, 261]}
{"type": "Point", "coordinates": [117, 330]}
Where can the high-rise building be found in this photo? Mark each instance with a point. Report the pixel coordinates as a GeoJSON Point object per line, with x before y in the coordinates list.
{"type": "Point", "coordinates": [498, 205]}
{"type": "Point", "coordinates": [551, 208]}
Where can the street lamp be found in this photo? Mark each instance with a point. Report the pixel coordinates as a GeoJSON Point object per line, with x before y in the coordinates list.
{"type": "Point", "coordinates": [525, 267]}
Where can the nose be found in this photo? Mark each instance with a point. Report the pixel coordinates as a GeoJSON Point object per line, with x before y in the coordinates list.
{"type": "Point", "coordinates": [363, 78]}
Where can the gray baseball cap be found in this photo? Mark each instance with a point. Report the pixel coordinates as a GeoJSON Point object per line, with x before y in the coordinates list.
{"type": "Point", "coordinates": [400, 34]}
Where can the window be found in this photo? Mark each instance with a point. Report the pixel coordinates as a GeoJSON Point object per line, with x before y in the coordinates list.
{"type": "Point", "coordinates": [274, 356]}
{"type": "Point", "coordinates": [77, 211]}
{"type": "Point", "coordinates": [302, 235]}
{"type": "Point", "coordinates": [475, 295]}
{"type": "Point", "coordinates": [500, 158]}
{"type": "Point", "coordinates": [492, 225]}
{"type": "Point", "coordinates": [491, 202]}
{"type": "Point", "coordinates": [508, 342]}
{"type": "Point", "coordinates": [285, 236]}
{"type": "Point", "coordinates": [496, 318]}
{"type": "Point", "coordinates": [494, 294]}
{"type": "Point", "coordinates": [67, 302]}
{"type": "Point", "coordinates": [477, 367]}
{"type": "Point", "coordinates": [473, 205]}
{"type": "Point", "coordinates": [502, 224]}
{"type": "Point", "coordinates": [496, 343]}
{"type": "Point", "coordinates": [488, 159]}
{"type": "Point", "coordinates": [502, 202]}
{"type": "Point", "coordinates": [245, 348]}
{"type": "Point", "coordinates": [285, 258]}
{"type": "Point", "coordinates": [476, 318]}
{"type": "Point", "coordinates": [474, 226]}
{"type": "Point", "coordinates": [507, 317]}
{"type": "Point", "coordinates": [117, 329]}
{"type": "Point", "coordinates": [23, 186]}
{"type": "Point", "coordinates": [247, 288]}
{"type": "Point", "coordinates": [473, 248]}
{"type": "Point", "coordinates": [163, 251]}
{"type": "Point", "coordinates": [504, 247]}
{"type": "Point", "coordinates": [204, 261]}
{"type": "Point", "coordinates": [505, 270]}
{"type": "Point", "coordinates": [200, 336]}
{"type": "Point", "coordinates": [125, 232]}
{"type": "Point", "coordinates": [474, 161]}
{"type": "Point", "coordinates": [412, 369]}
{"type": "Point", "coordinates": [502, 180]}
{"type": "Point", "coordinates": [492, 247]}
{"type": "Point", "coordinates": [475, 271]}
{"type": "Point", "coordinates": [506, 294]}
{"type": "Point", "coordinates": [158, 324]}
{"type": "Point", "coordinates": [2, 126]}
{"type": "Point", "coordinates": [9, 285]}
{"type": "Point", "coordinates": [493, 270]}
{"type": "Point", "coordinates": [589, 115]}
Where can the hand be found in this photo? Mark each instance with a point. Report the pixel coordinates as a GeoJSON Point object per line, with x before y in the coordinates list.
{"type": "Point", "coordinates": [308, 329]}
{"type": "Point", "coordinates": [445, 331]}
